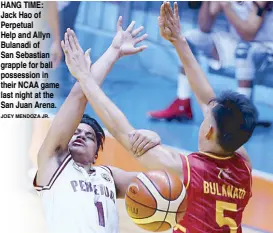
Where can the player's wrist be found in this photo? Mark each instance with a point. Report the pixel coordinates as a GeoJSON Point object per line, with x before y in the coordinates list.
{"type": "Point", "coordinates": [116, 53]}
{"type": "Point", "coordinates": [84, 75]}
{"type": "Point", "coordinates": [179, 40]}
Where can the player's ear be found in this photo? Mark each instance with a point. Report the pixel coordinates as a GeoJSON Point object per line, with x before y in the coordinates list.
{"type": "Point", "coordinates": [210, 132]}
{"type": "Point", "coordinates": [95, 158]}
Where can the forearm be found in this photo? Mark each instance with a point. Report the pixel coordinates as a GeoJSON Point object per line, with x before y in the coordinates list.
{"type": "Point", "coordinates": [65, 122]}
{"type": "Point", "coordinates": [205, 18]}
{"type": "Point", "coordinates": [240, 25]}
{"type": "Point", "coordinates": [53, 19]}
{"type": "Point", "coordinates": [162, 157]}
{"type": "Point", "coordinates": [194, 72]}
{"type": "Point", "coordinates": [104, 64]}
{"type": "Point", "coordinates": [111, 116]}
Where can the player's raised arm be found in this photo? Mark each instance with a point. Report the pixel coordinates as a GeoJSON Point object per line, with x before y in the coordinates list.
{"type": "Point", "coordinates": [169, 24]}
{"type": "Point", "coordinates": [69, 116]}
{"type": "Point", "coordinates": [158, 157]}
{"type": "Point", "coordinates": [118, 125]}
{"type": "Point", "coordinates": [62, 129]}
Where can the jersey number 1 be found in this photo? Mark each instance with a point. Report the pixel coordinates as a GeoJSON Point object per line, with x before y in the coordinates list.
{"type": "Point", "coordinates": [222, 206]}
{"type": "Point", "coordinates": [100, 213]}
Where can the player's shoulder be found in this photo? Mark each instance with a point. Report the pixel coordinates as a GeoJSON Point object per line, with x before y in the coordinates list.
{"type": "Point", "coordinates": [105, 172]}
{"type": "Point", "coordinates": [104, 168]}
{"type": "Point", "coordinates": [192, 159]}
{"type": "Point", "coordinates": [201, 159]}
{"type": "Point", "coordinates": [242, 155]}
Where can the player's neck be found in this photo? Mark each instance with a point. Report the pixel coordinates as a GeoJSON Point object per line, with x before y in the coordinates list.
{"type": "Point", "coordinates": [86, 167]}
{"type": "Point", "coordinates": [213, 149]}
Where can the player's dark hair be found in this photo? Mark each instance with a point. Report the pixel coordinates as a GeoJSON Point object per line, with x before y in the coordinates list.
{"type": "Point", "coordinates": [100, 136]}
{"type": "Point", "coordinates": [235, 117]}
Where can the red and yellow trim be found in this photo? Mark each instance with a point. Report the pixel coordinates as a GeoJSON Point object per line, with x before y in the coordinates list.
{"type": "Point", "coordinates": [215, 156]}
{"type": "Point", "coordinates": [180, 228]}
{"type": "Point", "coordinates": [186, 170]}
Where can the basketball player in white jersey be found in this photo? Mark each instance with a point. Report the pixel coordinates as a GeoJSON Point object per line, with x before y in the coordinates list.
{"type": "Point", "coordinates": [229, 121]}
{"type": "Point", "coordinates": [77, 196]}
{"type": "Point", "coordinates": [248, 44]}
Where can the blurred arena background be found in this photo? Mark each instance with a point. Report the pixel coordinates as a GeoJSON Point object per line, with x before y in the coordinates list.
{"type": "Point", "coordinates": [148, 81]}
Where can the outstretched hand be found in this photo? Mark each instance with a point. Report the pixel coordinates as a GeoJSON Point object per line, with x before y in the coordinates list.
{"type": "Point", "coordinates": [143, 140]}
{"type": "Point", "coordinates": [125, 41]}
{"type": "Point", "coordinates": [169, 22]}
{"type": "Point", "coordinates": [76, 60]}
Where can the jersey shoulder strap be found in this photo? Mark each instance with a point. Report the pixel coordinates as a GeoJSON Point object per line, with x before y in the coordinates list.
{"type": "Point", "coordinates": [186, 170]}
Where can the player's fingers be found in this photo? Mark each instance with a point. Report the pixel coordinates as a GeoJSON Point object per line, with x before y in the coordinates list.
{"type": "Point", "coordinates": [131, 26]}
{"type": "Point", "coordinates": [87, 52]}
{"type": "Point", "coordinates": [62, 45]}
{"type": "Point", "coordinates": [160, 21]}
{"type": "Point", "coordinates": [176, 11]}
{"type": "Point", "coordinates": [67, 45]}
{"type": "Point", "coordinates": [149, 145]}
{"type": "Point", "coordinates": [140, 49]}
{"type": "Point", "coordinates": [134, 138]}
{"type": "Point", "coordinates": [162, 11]}
{"type": "Point", "coordinates": [141, 38]}
{"type": "Point", "coordinates": [76, 42]}
{"type": "Point", "coordinates": [136, 31]}
{"type": "Point", "coordinates": [119, 23]}
{"type": "Point", "coordinates": [66, 55]}
{"type": "Point", "coordinates": [137, 143]}
{"type": "Point", "coordinates": [71, 40]}
{"type": "Point", "coordinates": [87, 57]}
{"type": "Point", "coordinates": [140, 149]}
{"type": "Point", "coordinates": [168, 11]}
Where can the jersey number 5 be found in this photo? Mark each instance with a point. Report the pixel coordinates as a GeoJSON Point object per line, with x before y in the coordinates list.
{"type": "Point", "coordinates": [100, 213]}
{"type": "Point", "coordinates": [222, 206]}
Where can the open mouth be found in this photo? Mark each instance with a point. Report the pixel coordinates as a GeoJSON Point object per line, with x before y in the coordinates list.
{"type": "Point", "coordinates": [78, 142]}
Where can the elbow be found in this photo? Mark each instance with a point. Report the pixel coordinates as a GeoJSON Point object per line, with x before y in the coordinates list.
{"type": "Point", "coordinates": [204, 27]}
{"type": "Point", "coordinates": [247, 35]}
{"type": "Point", "coordinates": [205, 23]}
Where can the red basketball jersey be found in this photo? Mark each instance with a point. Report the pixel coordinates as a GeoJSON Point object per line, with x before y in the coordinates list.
{"type": "Point", "coordinates": [218, 191]}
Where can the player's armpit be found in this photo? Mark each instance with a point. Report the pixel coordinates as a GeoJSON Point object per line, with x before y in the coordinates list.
{"type": "Point", "coordinates": [122, 180]}
{"type": "Point", "coordinates": [48, 170]}
{"type": "Point", "coordinates": [162, 157]}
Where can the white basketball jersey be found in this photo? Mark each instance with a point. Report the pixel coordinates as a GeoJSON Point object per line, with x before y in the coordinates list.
{"type": "Point", "coordinates": [265, 33]}
{"type": "Point", "coordinates": [76, 202]}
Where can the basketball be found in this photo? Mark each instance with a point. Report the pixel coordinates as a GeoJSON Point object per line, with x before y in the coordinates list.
{"type": "Point", "coordinates": [156, 200]}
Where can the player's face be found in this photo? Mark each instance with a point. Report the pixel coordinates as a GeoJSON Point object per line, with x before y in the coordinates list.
{"type": "Point", "coordinates": [83, 145]}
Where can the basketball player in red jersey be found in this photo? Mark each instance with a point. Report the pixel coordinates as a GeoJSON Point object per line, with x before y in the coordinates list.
{"type": "Point", "coordinates": [218, 177]}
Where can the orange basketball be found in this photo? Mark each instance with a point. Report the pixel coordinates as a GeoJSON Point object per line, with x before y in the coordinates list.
{"type": "Point", "coordinates": [156, 200]}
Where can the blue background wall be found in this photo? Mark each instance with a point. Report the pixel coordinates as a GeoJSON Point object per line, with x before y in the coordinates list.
{"type": "Point", "coordinates": [147, 81]}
